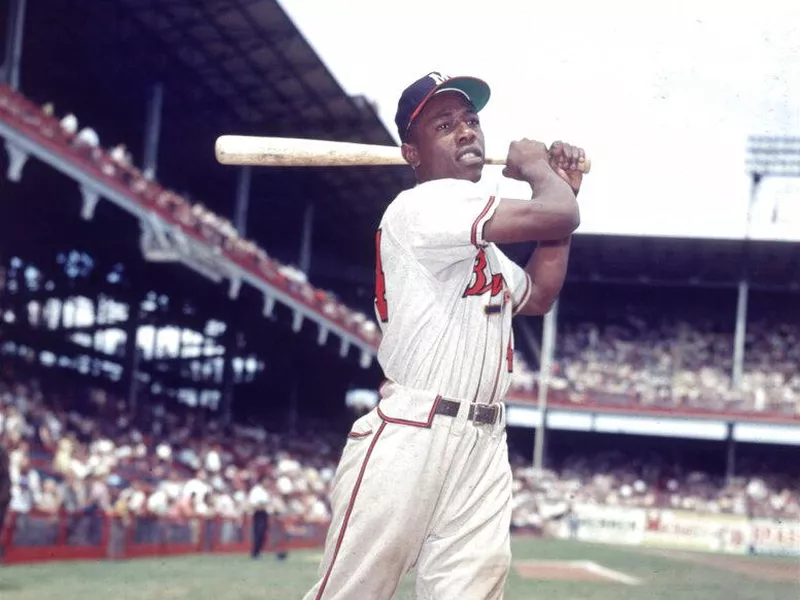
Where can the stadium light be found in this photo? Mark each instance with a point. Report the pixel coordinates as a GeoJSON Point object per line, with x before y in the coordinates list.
{"type": "Point", "coordinates": [770, 156]}
{"type": "Point", "coordinates": [773, 156]}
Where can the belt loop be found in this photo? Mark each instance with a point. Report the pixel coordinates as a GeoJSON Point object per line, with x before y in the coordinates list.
{"type": "Point", "coordinates": [461, 419]}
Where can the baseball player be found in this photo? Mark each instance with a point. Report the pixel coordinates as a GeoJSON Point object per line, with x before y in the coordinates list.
{"type": "Point", "coordinates": [424, 481]}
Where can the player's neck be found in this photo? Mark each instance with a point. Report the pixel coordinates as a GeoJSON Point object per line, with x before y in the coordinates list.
{"type": "Point", "coordinates": [425, 179]}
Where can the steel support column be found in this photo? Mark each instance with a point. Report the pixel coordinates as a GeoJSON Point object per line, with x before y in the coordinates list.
{"type": "Point", "coordinates": [305, 242]}
{"type": "Point", "coordinates": [152, 131]}
{"type": "Point", "coordinates": [14, 35]}
{"type": "Point", "coordinates": [548, 350]}
{"type": "Point", "coordinates": [242, 201]}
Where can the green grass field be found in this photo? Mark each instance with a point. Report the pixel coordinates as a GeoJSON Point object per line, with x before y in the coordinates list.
{"type": "Point", "coordinates": [240, 578]}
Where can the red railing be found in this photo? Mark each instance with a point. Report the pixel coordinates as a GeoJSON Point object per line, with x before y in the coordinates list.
{"type": "Point", "coordinates": [41, 537]}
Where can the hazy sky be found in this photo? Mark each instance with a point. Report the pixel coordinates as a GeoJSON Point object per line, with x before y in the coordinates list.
{"type": "Point", "coordinates": [662, 99]}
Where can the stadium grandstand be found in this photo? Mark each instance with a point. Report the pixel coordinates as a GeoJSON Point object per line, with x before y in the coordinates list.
{"type": "Point", "coordinates": [175, 333]}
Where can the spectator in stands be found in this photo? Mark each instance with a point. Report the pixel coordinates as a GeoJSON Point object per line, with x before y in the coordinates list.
{"type": "Point", "coordinates": [120, 155]}
{"type": "Point", "coordinates": [49, 501]}
{"type": "Point", "coordinates": [87, 137]}
{"type": "Point", "coordinates": [69, 124]}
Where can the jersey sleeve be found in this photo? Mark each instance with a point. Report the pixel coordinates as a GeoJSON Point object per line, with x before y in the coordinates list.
{"type": "Point", "coordinates": [518, 281]}
{"type": "Point", "coordinates": [441, 222]}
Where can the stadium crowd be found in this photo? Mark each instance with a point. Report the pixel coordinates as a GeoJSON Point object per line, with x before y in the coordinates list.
{"type": "Point", "coordinates": [79, 454]}
{"type": "Point", "coordinates": [621, 479]}
{"type": "Point", "coordinates": [82, 455]}
{"type": "Point", "coordinates": [675, 363]}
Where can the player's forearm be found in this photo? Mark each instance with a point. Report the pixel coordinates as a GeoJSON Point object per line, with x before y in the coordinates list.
{"type": "Point", "coordinates": [551, 214]}
{"type": "Point", "coordinates": [555, 213]}
{"type": "Point", "coordinates": [547, 269]}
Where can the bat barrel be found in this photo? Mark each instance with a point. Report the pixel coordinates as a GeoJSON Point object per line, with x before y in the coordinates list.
{"type": "Point", "coordinates": [300, 152]}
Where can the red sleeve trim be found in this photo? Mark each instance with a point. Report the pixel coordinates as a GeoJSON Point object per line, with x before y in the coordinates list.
{"type": "Point", "coordinates": [476, 223]}
{"type": "Point", "coordinates": [525, 296]}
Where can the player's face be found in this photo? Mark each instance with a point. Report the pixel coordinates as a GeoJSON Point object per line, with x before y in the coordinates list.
{"type": "Point", "coordinates": [448, 139]}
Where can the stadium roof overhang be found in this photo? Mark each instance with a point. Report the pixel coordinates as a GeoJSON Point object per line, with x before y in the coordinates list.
{"type": "Point", "coordinates": [228, 66]}
{"type": "Point", "coordinates": [704, 263]}
{"type": "Point", "coordinates": [250, 58]}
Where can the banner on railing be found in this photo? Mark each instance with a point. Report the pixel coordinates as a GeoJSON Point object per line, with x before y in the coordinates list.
{"type": "Point", "coordinates": [775, 537]}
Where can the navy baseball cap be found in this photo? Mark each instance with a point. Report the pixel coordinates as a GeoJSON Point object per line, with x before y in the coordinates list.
{"type": "Point", "coordinates": [414, 97]}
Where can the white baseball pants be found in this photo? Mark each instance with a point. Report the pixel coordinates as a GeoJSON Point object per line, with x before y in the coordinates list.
{"type": "Point", "coordinates": [415, 489]}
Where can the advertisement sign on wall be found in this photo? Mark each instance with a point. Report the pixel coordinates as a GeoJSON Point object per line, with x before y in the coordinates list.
{"type": "Point", "coordinates": [680, 530]}
{"type": "Point", "coordinates": [693, 531]}
{"type": "Point", "coordinates": [608, 524]}
{"type": "Point", "coordinates": [775, 537]}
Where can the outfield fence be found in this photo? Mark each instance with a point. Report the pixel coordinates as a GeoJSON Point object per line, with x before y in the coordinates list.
{"type": "Point", "coordinates": [40, 537]}
{"type": "Point", "coordinates": [681, 530]}
{"type": "Point", "coordinates": [93, 535]}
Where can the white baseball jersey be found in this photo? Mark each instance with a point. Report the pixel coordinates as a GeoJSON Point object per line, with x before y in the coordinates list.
{"type": "Point", "coordinates": [444, 296]}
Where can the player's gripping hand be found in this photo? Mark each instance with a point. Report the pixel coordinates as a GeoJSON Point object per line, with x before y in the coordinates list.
{"type": "Point", "coordinates": [527, 161]}
{"type": "Point", "coordinates": [564, 159]}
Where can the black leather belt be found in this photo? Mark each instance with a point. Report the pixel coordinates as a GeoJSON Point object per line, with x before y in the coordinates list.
{"type": "Point", "coordinates": [479, 413]}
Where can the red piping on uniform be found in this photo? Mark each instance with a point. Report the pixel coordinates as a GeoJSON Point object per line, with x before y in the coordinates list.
{"type": "Point", "coordinates": [474, 236]}
{"type": "Point", "coordinates": [349, 510]}
{"type": "Point", "coordinates": [426, 424]}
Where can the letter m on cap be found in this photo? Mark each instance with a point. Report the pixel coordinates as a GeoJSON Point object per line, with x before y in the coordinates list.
{"type": "Point", "coordinates": [438, 78]}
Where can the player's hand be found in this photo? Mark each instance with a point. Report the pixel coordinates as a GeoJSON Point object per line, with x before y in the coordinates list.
{"type": "Point", "coordinates": [564, 160]}
{"type": "Point", "coordinates": [527, 160]}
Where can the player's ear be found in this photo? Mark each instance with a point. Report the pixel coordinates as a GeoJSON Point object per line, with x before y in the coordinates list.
{"type": "Point", "coordinates": [410, 154]}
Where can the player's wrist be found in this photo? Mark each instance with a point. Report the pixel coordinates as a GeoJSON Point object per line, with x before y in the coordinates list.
{"type": "Point", "coordinates": [537, 172]}
{"type": "Point", "coordinates": [544, 178]}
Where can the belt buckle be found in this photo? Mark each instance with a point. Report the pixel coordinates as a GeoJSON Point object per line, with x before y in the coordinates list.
{"type": "Point", "coordinates": [490, 412]}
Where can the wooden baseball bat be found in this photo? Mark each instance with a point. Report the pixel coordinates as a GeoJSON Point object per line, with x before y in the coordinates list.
{"type": "Point", "coordinates": [299, 152]}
